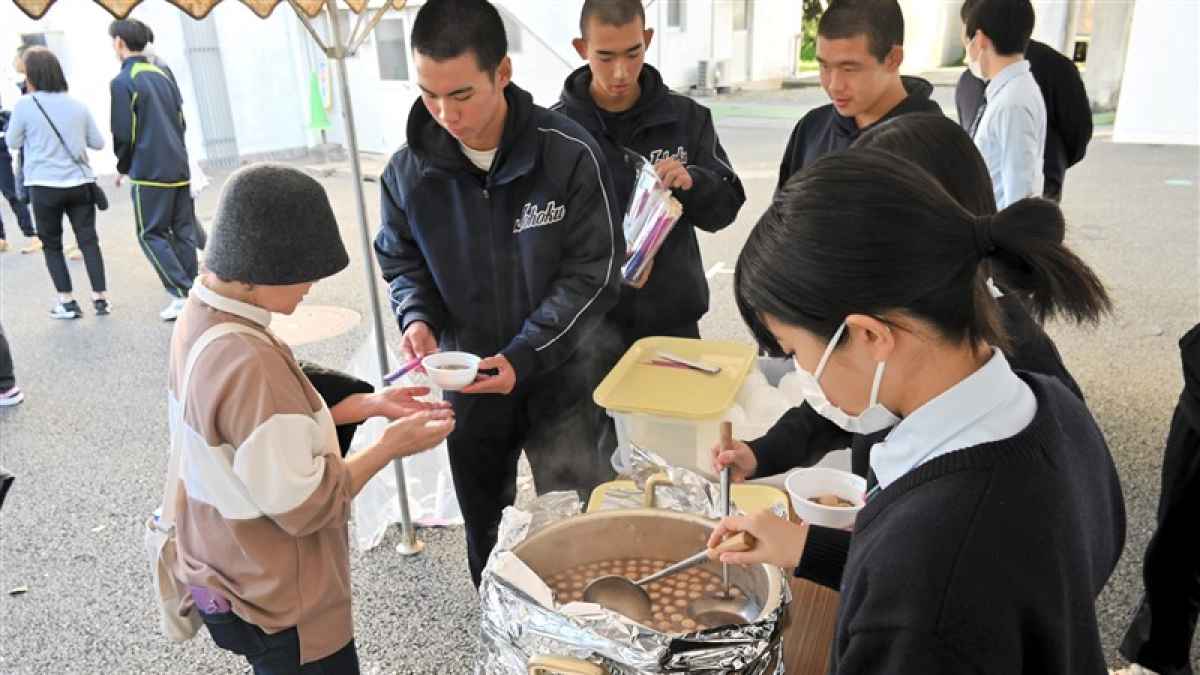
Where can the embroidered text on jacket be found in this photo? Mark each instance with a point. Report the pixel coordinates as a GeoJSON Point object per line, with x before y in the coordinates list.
{"type": "Point", "coordinates": [532, 218]}
{"type": "Point", "coordinates": [680, 154]}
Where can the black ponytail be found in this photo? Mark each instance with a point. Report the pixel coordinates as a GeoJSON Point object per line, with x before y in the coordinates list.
{"type": "Point", "coordinates": [866, 232]}
{"type": "Point", "coordinates": [1029, 237]}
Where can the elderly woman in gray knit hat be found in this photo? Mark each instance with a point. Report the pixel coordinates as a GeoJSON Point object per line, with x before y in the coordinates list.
{"type": "Point", "coordinates": [263, 495]}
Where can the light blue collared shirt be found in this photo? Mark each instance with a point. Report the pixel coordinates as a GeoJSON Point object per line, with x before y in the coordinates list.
{"type": "Point", "coordinates": [1012, 134]}
{"type": "Point", "coordinates": [991, 404]}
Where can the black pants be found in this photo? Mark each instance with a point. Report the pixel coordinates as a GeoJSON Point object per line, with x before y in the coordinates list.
{"type": "Point", "coordinates": [50, 204]}
{"type": "Point", "coordinates": [166, 229]}
{"type": "Point", "coordinates": [8, 188]}
{"type": "Point", "coordinates": [8, 380]}
{"type": "Point", "coordinates": [631, 334]}
{"type": "Point", "coordinates": [1160, 635]}
{"type": "Point", "coordinates": [554, 419]}
{"type": "Point", "coordinates": [277, 654]}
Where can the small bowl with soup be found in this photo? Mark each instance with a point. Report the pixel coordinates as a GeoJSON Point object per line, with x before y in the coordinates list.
{"type": "Point", "coordinates": [826, 497]}
{"type": "Point", "coordinates": [451, 370]}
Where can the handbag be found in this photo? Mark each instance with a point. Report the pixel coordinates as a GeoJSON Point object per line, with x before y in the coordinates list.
{"type": "Point", "coordinates": [178, 616]}
{"type": "Point", "coordinates": [95, 192]}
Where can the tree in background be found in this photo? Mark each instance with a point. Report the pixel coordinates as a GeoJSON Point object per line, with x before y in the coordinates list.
{"type": "Point", "coordinates": [812, 16]}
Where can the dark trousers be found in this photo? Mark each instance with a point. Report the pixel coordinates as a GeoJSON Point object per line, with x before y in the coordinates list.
{"type": "Point", "coordinates": [554, 419]}
{"type": "Point", "coordinates": [50, 204]}
{"type": "Point", "coordinates": [8, 188]}
{"type": "Point", "coordinates": [166, 229]}
{"type": "Point", "coordinates": [8, 380]}
{"type": "Point", "coordinates": [277, 654]}
{"type": "Point", "coordinates": [1161, 633]}
{"type": "Point", "coordinates": [631, 334]}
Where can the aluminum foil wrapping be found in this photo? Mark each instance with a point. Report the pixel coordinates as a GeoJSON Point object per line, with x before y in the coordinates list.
{"type": "Point", "coordinates": [688, 492]}
{"type": "Point", "coordinates": [514, 627]}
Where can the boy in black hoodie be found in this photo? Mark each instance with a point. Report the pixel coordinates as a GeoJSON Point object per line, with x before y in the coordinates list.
{"type": "Point", "coordinates": [860, 46]}
{"type": "Point", "coordinates": [624, 104]}
{"type": "Point", "coordinates": [500, 237]}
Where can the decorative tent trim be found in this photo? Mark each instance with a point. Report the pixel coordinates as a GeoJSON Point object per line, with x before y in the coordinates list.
{"type": "Point", "coordinates": [199, 9]}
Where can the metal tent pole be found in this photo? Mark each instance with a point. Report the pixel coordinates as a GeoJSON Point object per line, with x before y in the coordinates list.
{"type": "Point", "coordinates": [409, 544]}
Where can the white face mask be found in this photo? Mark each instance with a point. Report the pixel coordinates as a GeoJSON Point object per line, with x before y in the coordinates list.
{"type": "Point", "coordinates": [875, 418]}
{"type": "Point", "coordinates": [973, 63]}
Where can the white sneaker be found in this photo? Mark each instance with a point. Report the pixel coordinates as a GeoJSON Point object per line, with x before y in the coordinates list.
{"type": "Point", "coordinates": [11, 396]}
{"type": "Point", "coordinates": [173, 310]}
{"type": "Point", "coordinates": [1133, 669]}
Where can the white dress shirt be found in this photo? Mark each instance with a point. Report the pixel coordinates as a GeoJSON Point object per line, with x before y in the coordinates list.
{"type": "Point", "coordinates": [991, 404]}
{"type": "Point", "coordinates": [1012, 134]}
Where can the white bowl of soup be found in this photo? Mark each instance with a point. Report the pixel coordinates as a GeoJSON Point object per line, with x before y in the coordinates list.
{"type": "Point", "coordinates": [826, 497]}
{"type": "Point", "coordinates": [451, 370]}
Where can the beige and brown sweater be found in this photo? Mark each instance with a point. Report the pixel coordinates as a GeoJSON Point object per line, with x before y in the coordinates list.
{"type": "Point", "coordinates": [264, 496]}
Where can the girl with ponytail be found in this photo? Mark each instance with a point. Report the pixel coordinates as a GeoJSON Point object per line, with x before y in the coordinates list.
{"type": "Point", "coordinates": [996, 513]}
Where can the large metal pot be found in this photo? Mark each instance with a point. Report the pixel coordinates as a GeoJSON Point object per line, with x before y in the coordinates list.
{"type": "Point", "coordinates": [641, 533]}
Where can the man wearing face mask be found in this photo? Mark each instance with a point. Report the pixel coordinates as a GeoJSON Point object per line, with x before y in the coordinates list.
{"type": "Point", "coordinates": [1068, 112]}
{"type": "Point", "coordinates": [1010, 128]}
{"type": "Point", "coordinates": [860, 46]}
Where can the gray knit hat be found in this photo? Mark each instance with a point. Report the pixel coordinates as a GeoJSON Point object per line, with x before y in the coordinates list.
{"type": "Point", "coordinates": [274, 226]}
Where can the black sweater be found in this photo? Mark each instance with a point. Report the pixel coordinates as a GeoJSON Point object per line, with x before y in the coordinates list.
{"type": "Point", "coordinates": [987, 559]}
{"type": "Point", "coordinates": [803, 438]}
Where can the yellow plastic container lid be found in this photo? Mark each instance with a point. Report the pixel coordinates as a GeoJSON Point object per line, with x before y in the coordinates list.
{"type": "Point", "coordinates": [637, 386]}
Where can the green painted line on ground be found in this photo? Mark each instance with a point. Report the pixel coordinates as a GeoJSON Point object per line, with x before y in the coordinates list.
{"type": "Point", "coordinates": [720, 110]}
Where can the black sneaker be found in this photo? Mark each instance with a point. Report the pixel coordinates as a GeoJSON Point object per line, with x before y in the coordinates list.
{"type": "Point", "coordinates": [102, 306]}
{"type": "Point", "coordinates": [67, 310]}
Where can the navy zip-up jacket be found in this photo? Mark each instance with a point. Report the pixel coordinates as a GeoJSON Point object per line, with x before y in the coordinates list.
{"type": "Point", "coordinates": [522, 261]}
{"type": "Point", "coordinates": [148, 125]}
{"type": "Point", "coordinates": [664, 124]}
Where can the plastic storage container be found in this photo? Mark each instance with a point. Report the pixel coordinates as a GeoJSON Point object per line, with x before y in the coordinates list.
{"type": "Point", "coordinates": [673, 412]}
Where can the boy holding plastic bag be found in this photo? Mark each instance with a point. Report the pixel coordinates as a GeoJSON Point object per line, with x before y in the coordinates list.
{"type": "Point", "coordinates": [637, 119]}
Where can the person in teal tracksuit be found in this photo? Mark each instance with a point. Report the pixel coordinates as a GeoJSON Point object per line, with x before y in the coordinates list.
{"type": "Point", "coordinates": [148, 128]}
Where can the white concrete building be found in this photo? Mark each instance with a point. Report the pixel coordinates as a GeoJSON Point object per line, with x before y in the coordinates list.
{"type": "Point", "coordinates": [244, 89]}
{"type": "Point", "coordinates": [748, 40]}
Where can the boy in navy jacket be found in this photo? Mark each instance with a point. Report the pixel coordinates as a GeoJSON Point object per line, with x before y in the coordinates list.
{"type": "Point", "coordinates": [500, 237]}
{"type": "Point", "coordinates": [147, 129]}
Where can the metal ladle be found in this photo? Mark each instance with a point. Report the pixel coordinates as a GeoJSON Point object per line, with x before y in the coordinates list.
{"type": "Point", "coordinates": [630, 597]}
{"type": "Point", "coordinates": [722, 608]}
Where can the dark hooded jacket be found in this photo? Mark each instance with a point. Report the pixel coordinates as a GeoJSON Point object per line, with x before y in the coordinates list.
{"type": "Point", "coordinates": [522, 260]}
{"type": "Point", "coordinates": [663, 124]}
{"type": "Point", "coordinates": [823, 131]}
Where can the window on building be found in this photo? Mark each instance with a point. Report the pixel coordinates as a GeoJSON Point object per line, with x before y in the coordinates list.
{"type": "Point", "coordinates": [741, 12]}
{"type": "Point", "coordinates": [512, 31]}
{"type": "Point", "coordinates": [675, 14]}
{"type": "Point", "coordinates": [391, 46]}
